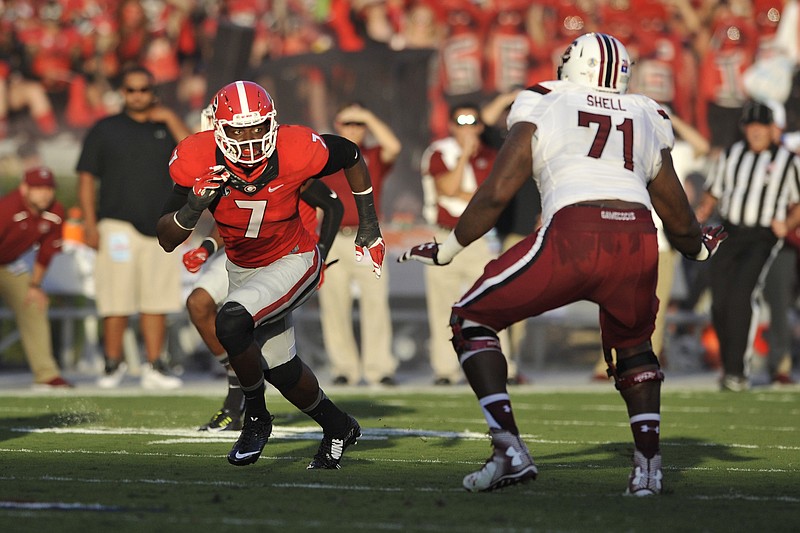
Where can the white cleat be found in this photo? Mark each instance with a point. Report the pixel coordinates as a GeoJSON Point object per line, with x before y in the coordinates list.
{"type": "Point", "coordinates": [645, 479]}
{"type": "Point", "coordinates": [510, 463]}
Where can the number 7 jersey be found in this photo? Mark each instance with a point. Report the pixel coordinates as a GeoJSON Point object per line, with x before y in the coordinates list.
{"type": "Point", "coordinates": [592, 145]}
{"type": "Point", "coordinates": [257, 213]}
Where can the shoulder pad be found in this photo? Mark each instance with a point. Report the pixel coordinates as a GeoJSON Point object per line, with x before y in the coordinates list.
{"type": "Point", "coordinates": [301, 148]}
{"type": "Point", "coordinates": [192, 158]}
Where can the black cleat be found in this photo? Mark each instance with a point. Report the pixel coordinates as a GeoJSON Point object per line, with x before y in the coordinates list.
{"type": "Point", "coordinates": [332, 448]}
{"type": "Point", "coordinates": [223, 420]}
{"type": "Point", "coordinates": [251, 441]}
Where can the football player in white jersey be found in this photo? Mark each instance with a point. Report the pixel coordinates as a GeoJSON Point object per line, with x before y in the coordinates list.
{"type": "Point", "coordinates": [601, 159]}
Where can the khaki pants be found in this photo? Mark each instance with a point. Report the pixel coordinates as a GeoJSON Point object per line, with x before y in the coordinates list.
{"type": "Point", "coordinates": [33, 325]}
{"type": "Point", "coordinates": [444, 286]}
{"type": "Point", "coordinates": [336, 307]}
{"type": "Point", "coordinates": [134, 274]}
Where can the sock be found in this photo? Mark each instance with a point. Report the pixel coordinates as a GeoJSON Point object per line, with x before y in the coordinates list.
{"type": "Point", "coordinates": [646, 429]}
{"type": "Point", "coordinates": [112, 365]}
{"type": "Point", "coordinates": [254, 400]}
{"type": "Point", "coordinates": [235, 400]}
{"type": "Point", "coordinates": [325, 413]}
{"type": "Point", "coordinates": [497, 411]}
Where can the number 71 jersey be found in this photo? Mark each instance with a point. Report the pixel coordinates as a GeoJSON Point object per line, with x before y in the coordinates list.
{"type": "Point", "coordinates": [591, 145]}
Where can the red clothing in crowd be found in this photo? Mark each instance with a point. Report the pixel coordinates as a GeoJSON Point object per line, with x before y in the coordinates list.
{"type": "Point", "coordinates": [338, 183]}
{"type": "Point", "coordinates": [21, 228]}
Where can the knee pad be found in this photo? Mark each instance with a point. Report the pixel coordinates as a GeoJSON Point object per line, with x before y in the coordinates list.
{"type": "Point", "coordinates": [234, 328]}
{"type": "Point", "coordinates": [467, 341]}
{"type": "Point", "coordinates": [284, 377]}
{"type": "Point", "coordinates": [634, 362]}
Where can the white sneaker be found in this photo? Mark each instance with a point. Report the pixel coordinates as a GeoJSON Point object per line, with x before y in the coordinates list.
{"type": "Point", "coordinates": [153, 378]}
{"type": "Point", "coordinates": [645, 479]}
{"type": "Point", "coordinates": [112, 380]}
{"type": "Point", "coordinates": [510, 463]}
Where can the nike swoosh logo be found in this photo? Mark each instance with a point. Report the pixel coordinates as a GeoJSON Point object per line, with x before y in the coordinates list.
{"type": "Point", "coordinates": [273, 189]}
{"type": "Point", "coordinates": [244, 455]}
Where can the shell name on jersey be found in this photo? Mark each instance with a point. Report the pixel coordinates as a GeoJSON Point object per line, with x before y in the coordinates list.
{"type": "Point", "coordinates": [605, 102]}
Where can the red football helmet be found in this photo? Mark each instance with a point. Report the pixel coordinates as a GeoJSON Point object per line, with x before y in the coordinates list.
{"type": "Point", "coordinates": [243, 104]}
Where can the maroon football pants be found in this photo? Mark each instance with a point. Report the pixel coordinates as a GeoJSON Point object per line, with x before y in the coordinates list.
{"type": "Point", "coordinates": [607, 256]}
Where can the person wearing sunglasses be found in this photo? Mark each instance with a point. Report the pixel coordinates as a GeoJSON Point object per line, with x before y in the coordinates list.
{"type": "Point", "coordinates": [452, 170]}
{"type": "Point", "coordinates": [372, 361]}
{"type": "Point", "coordinates": [128, 154]}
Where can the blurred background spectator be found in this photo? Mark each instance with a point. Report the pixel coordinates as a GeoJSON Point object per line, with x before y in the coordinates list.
{"type": "Point", "coordinates": [407, 60]}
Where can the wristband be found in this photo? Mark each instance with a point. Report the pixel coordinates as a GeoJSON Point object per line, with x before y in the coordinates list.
{"type": "Point", "coordinates": [702, 255]}
{"type": "Point", "coordinates": [449, 249]}
{"type": "Point", "coordinates": [209, 245]}
{"type": "Point", "coordinates": [186, 218]}
{"type": "Point", "coordinates": [365, 205]}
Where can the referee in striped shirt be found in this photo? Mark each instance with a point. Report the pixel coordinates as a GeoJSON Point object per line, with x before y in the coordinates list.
{"type": "Point", "coordinates": [751, 185]}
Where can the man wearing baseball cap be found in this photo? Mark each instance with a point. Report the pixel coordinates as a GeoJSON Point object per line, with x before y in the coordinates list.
{"type": "Point", "coordinates": [753, 185]}
{"type": "Point", "coordinates": [30, 215]}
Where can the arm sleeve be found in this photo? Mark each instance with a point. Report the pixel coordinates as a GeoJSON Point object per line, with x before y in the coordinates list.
{"type": "Point", "coordinates": [342, 154]}
{"type": "Point", "coordinates": [317, 194]}
{"type": "Point", "coordinates": [176, 199]}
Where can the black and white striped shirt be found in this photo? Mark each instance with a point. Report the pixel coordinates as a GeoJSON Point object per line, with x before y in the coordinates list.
{"type": "Point", "coordinates": [752, 188]}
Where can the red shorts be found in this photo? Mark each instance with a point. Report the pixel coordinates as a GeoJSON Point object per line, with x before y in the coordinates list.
{"type": "Point", "coordinates": [606, 256]}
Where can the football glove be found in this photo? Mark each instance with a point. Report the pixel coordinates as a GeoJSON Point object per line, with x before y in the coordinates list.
{"type": "Point", "coordinates": [376, 251]}
{"type": "Point", "coordinates": [426, 253]}
{"type": "Point", "coordinates": [712, 238]}
{"type": "Point", "coordinates": [194, 259]}
{"type": "Point", "coordinates": [206, 187]}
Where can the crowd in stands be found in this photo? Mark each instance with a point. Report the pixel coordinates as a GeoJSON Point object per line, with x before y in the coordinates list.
{"type": "Point", "coordinates": [60, 59]}
{"type": "Point", "coordinates": [61, 62]}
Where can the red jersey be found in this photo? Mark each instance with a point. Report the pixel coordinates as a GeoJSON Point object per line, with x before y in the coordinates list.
{"type": "Point", "coordinates": [441, 157]}
{"type": "Point", "coordinates": [308, 217]}
{"type": "Point", "coordinates": [21, 228]}
{"type": "Point", "coordinates": [338, 183]}
{"type": "Point", "coordinates": [257, 215]}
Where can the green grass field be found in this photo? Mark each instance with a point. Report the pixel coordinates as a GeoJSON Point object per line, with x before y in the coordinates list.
{"type": "Point", "coordinates": [136, 463]}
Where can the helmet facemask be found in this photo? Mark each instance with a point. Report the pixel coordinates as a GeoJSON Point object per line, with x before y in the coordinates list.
{"type": "Point", "coordinates": [244, 105]}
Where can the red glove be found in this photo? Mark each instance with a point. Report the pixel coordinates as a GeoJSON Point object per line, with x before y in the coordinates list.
{"type": "Point", "coordinates": [205, 187]}
{"type": "Point", "coordinates": [376, 251]}
{"type": "Point", "coordinates": [194, 259]}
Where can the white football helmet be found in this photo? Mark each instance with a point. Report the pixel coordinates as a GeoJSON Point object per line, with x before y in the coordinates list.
{"type": "Point", "coordinates": [243, 104]}
{"type": "Point", "coordinates": [597, 61]}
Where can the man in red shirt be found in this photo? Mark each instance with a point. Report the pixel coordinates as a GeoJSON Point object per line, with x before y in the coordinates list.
{"type": "Point", "coordinates": [376, 364]}
{"type": "Point", "coordinates": [452, 170]}
{"type": "Point", "coordinates": [248, 172]}
{"type": "Point", "coordinates": [30, 215]}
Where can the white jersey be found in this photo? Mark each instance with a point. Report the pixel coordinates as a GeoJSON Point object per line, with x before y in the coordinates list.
{"type": "Point", "coordinates": [592, 145]}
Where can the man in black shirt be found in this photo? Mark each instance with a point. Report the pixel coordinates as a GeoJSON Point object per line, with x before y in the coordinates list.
{"type": "Point", "coordinates": [128, 154]}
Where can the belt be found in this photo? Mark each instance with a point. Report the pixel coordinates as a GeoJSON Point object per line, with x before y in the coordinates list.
{"type": "Point", "coordinates": [610, 204]}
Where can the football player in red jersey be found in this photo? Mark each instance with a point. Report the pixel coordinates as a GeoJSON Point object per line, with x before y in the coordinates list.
{"type": "Point", "coordinates": [248, 172]}
{"type": "Point", "coordinates": [211, 288]}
